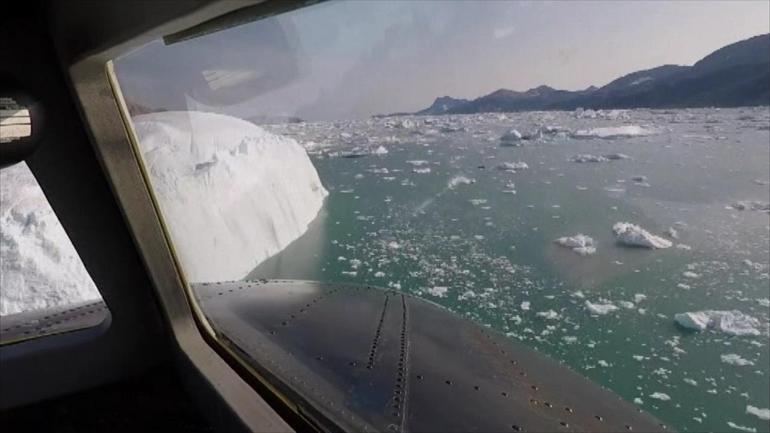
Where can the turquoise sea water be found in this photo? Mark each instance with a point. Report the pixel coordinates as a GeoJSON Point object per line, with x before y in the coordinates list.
{"type": "Point", "coordinates": [459, 236]}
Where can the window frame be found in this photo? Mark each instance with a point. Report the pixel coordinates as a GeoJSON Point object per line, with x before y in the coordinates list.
{"type": "Point", "coordinates": [106, 116]}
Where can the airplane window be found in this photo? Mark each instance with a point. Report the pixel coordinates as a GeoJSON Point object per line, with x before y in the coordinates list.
{"type": "Point", "coordinates": [45, 287]}
{"type": "Point", "coordinates": [590, 186]}
{"type": "Point", "coordinates": [15, 121]}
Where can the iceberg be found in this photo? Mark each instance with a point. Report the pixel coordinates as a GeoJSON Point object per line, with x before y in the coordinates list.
{"type": "Point", "coordinates": [39, 267]}
{"type": "Point", "coordinates": [232, 194]}
{"type": "Point", "coordinates": [580, 243]}
{"type": "Point", "coordinates": [633, 235]}
{"type": "Point", "coordinates": [729, 322]}
{"type": "Point", "coordinates": [511, 138]}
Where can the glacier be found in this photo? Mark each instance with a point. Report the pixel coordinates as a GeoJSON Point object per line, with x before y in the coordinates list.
{"type": "Point", "coordinates": [39, 267]}
{"type": "Point", "coordinates": [231, 193]}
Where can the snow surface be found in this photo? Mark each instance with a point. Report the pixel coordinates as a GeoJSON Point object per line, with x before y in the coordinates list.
{"type": "Point", "coordinates": [232, 194]}
{"type": "Point", "coordinates": [633, 235]}
{"type": "Point", "coordinates": [39, 267]}
{"type": "Point", "coordinates": [729, 322]}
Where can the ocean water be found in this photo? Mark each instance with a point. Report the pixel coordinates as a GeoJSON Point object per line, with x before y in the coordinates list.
{"type": "Point", "coordinates": [479, 240]}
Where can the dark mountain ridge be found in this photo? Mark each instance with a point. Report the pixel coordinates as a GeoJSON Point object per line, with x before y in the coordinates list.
{"type": "Point", "coordinates": [735, 75]}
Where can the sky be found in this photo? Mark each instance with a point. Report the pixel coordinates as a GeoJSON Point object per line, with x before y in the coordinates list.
{"type": "Point", "coordinates": [353, 59]}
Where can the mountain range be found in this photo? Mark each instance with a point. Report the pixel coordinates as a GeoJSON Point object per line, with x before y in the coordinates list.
{"type": "Point", "coordinates": [735, 75]}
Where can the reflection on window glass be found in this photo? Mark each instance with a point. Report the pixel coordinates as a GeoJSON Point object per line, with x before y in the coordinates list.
{"type": "Point", "coordinates": [580, 195]}
{"type": "Point", "coordinates": [40, 272]}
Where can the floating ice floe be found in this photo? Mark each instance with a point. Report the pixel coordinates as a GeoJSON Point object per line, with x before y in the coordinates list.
{"type": "Point", "coordinates": [580, 243]}
{"type": "Point", "coordinates": [513, 166]}
{"type": "Point", "coordinates": [600, 309]}
{"type": "Point", "coordinates": [735, 359]}
{"type": "Point", "coordinates": [741, 428]}
{"type": "Point", "coordinates": [633, 235]}
{"type": "Point", "coordinates": [587, 157]}
{"type": "Point", "coordinates": [581, 113]}
{"type": "Point", "coordinates": [751, 205]}
{"type": "Point", "coordinates": [660, 396]}
{"type": "Point", "coordinates": [525, 305]}
{"type": "Point", "coordinates": [421, 170]}
{"type": "Point", "coordinates": [763, 414]}
{"type": "Point", "coordinates": [459, 180]}
{"type": "Point", "coordinates": [548, 315]}
{"type": "Point", "coordinates": [614, 132]}
{"type": "Point", "coordinates": [729, 322]}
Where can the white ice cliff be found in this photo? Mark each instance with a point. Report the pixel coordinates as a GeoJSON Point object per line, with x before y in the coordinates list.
{"type": "Point", "coordinates": [231, 193]}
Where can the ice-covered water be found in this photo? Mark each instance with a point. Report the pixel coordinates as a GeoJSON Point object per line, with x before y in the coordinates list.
{"type": "Point", "coordinates": [476, 234]}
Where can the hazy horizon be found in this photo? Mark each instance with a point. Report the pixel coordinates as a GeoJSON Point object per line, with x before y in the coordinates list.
{"type": "Point", "coordinates": [342, 60]}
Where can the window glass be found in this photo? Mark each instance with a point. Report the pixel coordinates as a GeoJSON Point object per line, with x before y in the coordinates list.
{"type": "Point", "coordinates": [41, 274]}
{"type": "Point", "coordinates": [595, 190]}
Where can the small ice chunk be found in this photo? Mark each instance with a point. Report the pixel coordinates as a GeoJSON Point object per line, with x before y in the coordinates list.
{"type": "Point", "coordinates": [380, 151]}
{"type": "Point", "coordinates": [548, 315]}
{"type": "Point", "coordinates": [580, 243]}
{"type": "Point", "coordinates": [633, 235]}
{"type": "Point", "coordinates": [600, 309]}
{"type": "Point", "coordinates": [690, 274]}
{"type": "Point", "coordinates": [660, 396]}
{"type": "Point", "coordinates": [513, 166]}
{"type": "Point", "coordinates": [639, 297]}
{"type": "Point", "coordinates": [741, 428]}
{"type": "Point", "coordinates": [459, 180]}
{"type": "Point", "coordinates": [729, 322]}
{"type": "Point", "coordinates": [672, 233]}
{"type": "Point", "coordinates": [751, 205]}
{"type": "Point", "coordinates": [585, 157]}
{"type": "Point", "coordinates": [689, 381]}
{"type": "Point", "coordinates": [379, 274]}
{"type": "Point", "coordinates": [735, 359]}
{"type": "Point", "coordinates": [437, 291]}
{"type": "Point", "coordinates": [627, 304]}
{"type": "Point", "coordinates": [525, 305]}
{"type": "Point", "coordinates": [763, 414]}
